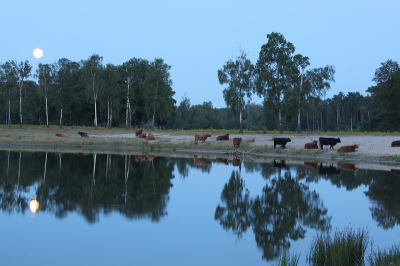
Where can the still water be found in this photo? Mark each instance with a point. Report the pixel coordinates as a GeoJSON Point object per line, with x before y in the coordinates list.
{"type": "Point", "coordinates": [104, 209]}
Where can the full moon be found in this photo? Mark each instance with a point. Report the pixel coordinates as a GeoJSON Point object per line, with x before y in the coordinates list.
{"type": "Point", "coordinates": [38, 53]}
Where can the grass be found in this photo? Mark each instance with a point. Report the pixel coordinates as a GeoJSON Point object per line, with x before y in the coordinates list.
{"type": "Point", "coordinates": [347, 247]}
{"type": "Point", "coordinates": [387, 257]}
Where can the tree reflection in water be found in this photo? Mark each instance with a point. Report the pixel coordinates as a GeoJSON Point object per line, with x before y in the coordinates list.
{"type": "Point", "coordinates": [280, 214]}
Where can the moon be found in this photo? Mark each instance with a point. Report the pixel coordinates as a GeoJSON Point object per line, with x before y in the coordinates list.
{"type": "Point", "coordinates": [37, 53]}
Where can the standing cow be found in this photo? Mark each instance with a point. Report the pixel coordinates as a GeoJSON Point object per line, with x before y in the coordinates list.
{"type": "Point", "coordinates": [236, 142]}
{"type": "Point", "coordinates": [328, 142]}
{"type": "Point", "coordinates": [281, 141]}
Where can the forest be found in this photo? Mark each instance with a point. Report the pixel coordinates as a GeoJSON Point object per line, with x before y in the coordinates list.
{"type": "Point", "coordinates": [139, 93]}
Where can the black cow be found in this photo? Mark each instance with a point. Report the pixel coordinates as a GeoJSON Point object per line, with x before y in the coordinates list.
{"type": "Point", "coordinates": [328, 142]}
{"type": "Point", "coordinates": [281, 141]}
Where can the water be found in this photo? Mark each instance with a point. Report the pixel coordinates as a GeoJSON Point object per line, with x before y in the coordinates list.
{"type": "Point", "coordinates": [103, 209]}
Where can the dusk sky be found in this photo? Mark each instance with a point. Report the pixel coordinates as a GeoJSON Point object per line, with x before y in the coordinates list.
{"type": "Point", "coordinates": [196, 38]}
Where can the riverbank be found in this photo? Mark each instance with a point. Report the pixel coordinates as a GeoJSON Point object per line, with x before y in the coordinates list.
{"type": "Point", "coordinates": [374, 149]}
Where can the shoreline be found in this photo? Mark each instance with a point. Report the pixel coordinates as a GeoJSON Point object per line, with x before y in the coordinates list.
{"type": "Point", "coordinates": [374, 151]}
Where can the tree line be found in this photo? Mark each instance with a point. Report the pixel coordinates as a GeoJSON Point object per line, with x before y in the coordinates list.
{"type": "Point", "coordinates": [138, 93]}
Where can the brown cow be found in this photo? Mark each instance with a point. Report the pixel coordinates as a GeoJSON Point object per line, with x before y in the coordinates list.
{"type": "Point", "coordinates": [83, 134]}
{"type": "Point", "coordinates": [138, 132]}
{"type": "Point", "coordinates": [142, 136]}
{"type": "Point", "coordinates": [201, 161]}
{"type": "Point", "coordinates": [236, 142]}
{"type": "Point", "coordinates": [150, 137]}
{"type": "Point", "coordinates": [236, 162]}
{"type": "Point", "coordinates": [311, 145]}
{"type": "Point", "coordinates": [348, 166]}
{"type": "Point", "coordinates": [396, 143]}
{"type": "Point", "coordinates": [201, 137]}
{"type": "Point", "coordinates": [223, 137]}
{"type": "Point", "coordinates": [61, 135]}
{"type": "Point", "coordinates": [349, 148]}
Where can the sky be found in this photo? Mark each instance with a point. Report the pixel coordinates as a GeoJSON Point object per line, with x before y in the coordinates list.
{"type": "Point", "coordinates": [196, 38]}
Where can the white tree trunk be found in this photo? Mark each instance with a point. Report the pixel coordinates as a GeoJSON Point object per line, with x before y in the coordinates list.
{"type": "Point", "coordinates": [61, 115]}
{"type": "Point", "coordinates": [20, 105]}
{"type": "Point", "coordinates": [47, 113]}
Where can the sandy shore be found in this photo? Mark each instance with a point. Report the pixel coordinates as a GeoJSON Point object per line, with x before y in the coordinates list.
{"type": "Point", "coordinates": [374, 149]}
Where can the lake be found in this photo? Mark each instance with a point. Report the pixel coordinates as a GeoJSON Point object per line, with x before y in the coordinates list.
{"type": "Point", "coordinates": [116, 209]}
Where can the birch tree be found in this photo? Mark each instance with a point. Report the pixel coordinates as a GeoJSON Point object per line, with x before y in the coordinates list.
{"type": "Point", "coordinates": [93, 76]}
{"type": "Point", "coordinates": [238, 75]}
{"type": "Point", "coordinates": [9, 81]}
{"type": "Point", "coordinates": [45, 79]}
{"type": "Point", "coordinates": [22, 71]}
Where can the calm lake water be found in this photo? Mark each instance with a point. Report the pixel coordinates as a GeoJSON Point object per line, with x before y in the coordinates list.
{"type": "Point", "coordinates": [101, 209]}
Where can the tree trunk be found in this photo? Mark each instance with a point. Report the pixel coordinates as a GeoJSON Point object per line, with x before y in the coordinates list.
{"type": "Point", "coordinates": [240, 119]}
{"type": "Point", "coordinates": [61, 115]}
{"type": "Point", "coordinates": [47, 113]}
{"type": "Point", "coordinates": [298, 121]}
{"type": "Point", "coordinates": [20, 105]}
{"type": "Point", "coordinates": [280, 121]}
{"type": "Point", "coordinates": [337, 117]}
{"type": "Point", "coordinates": [351, 122]}
{"type": "Point", "coordinates": [9, 112]}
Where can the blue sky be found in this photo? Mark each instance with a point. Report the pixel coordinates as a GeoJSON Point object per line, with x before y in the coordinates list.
{"type": "Point", "coordinates": [196, 38]}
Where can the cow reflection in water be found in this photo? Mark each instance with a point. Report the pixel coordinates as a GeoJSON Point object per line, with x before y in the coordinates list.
{"type": "Point", "coordinates": [201, 161]}
{"type": "Point", "coordinates": [222, 160]}
{"type": "Point", "coordinates": [328, 170]}
{"type": "Point", "coordinates": [348, 166]}
{"type": "Point", "coordinates": [311, 165]}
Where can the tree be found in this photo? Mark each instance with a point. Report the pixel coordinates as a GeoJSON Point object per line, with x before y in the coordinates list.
{"type": "Point", "coordinates": [22, 70]}
{"type": "Point", "coordinates": [130, 75]}
{"type": "Point", "coordinates": [301, 91]}
{"type": "Point", "coordinates": [276, 72]}
{"type": "Point", "coordinates": [45, 79]}
{"type": "Point", "coordinates": [238, 75]}
{"type": "Point", "coordinates": [65, 72]}
{"type": "Point", "coordinates": [158, 92]}
{"type": "Point", "coordinates": [386, 97]}
{"type": "Point", "coordinates": [182, 116]}
{"type": "Point", "coordinates": [93, 75]}
{"type": "Point", "coordinates": [8, 80]}
{"type": "Point", "coordinates": [111, 91]}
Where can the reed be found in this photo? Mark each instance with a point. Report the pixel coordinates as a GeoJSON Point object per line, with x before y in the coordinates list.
{"type": "Point", "coordinates": [346, 247]}
{"type": "Point", "coordinates": [387, 257]}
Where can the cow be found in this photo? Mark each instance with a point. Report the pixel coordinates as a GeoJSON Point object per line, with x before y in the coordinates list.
{"type": "Point", "coordinates": [348, 166]}
{"type": "Point", "coordinates": [201, 161]}
{"type": "Point", "coordinates": [236, 142]}
{"type": "Point", "coordinates": [142, 136]}
{"type": "Point", "coordinates": [223, 137]}
{"type": "Point", "coordinates": [281, 141]}
{"type": "Point", "coordinates": [61, 135]}
{"type": "Point", "coordinates": [201, 137]}
{"type": "Point", "coordinates": [138, 132]}
{"type": "Point", "coordinates": [349, 148]}
{"type": "Point", "coordinates": [150, 137]}
{"type": "Point", "coordinates": [223, 160]}
{"type": "Point", "coordinates": [328, 142]}
{"type": "Point", "coordinates": [395, 143]}
{"type": "Point", "coordinates": [311, 145]}
{"type": "Point", "coordinates": [83, 134]}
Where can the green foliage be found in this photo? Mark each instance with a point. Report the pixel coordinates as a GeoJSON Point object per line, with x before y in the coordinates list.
{"type": "Point", "coordinates": [387, 257]}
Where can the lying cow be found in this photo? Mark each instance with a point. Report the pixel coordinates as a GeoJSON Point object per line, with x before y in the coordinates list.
{"type": "Point", "coordinates": [223, 137]}
{"type": "Point", "coordinates": [328, 142]}
{"type": "Point", "coordinates": [150, 137]}
{"type": "Point", "coordinates": [61, 135]}
{"type": "Point", "coordinates": [142, 136]}
{"type": "Point", "coordinates": [281, 141]}
{"type": "Point", "coordinates": [236, 142]}
{"type": "Point", "coordinates": [311, 145]}
{"type": "Point", "coordinates": [83, 134]}
{"type": "Point", "coordinates": [201, 137]}
{"type": "Point", "coordinates": [138, 132]}
{"type": "Point", "coordinates": [349, 148]}
{"type": "Point", "coordinates": [396, 143]}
